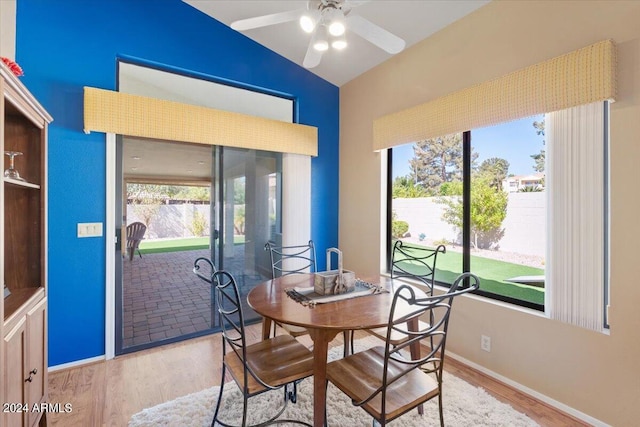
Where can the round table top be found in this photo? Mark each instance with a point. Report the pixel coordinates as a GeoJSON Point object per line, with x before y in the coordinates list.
{"type": "Point", "coordinates": [270, 300]}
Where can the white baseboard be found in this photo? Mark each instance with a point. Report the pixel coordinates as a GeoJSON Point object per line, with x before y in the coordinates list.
{"type": "Point", "coordinates": [543, 398]}
{"type": "Point", "coordinates": [76, 363]}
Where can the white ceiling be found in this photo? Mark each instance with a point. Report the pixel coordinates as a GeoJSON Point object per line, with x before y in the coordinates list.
{"type": "Point", "coordinates": [412, 20]}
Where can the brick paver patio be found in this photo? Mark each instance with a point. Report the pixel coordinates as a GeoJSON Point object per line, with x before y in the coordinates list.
{"type": "Point", "coordinates": [163, 298]}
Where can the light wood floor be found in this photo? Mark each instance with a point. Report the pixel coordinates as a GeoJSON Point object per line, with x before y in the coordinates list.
{"type": "Point", "coordinates": [109, 393]}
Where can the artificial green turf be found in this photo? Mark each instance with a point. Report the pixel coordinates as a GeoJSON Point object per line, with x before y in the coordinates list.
{"type": "Point", "coordinates": [174, 245]}
{"type": "Point", "coordinates": [491, 274]}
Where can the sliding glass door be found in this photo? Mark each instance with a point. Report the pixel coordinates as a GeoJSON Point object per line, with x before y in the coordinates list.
{"type": "Point", "coordinates": [193, 201]}
{"type": "Point", "coordinates": [248, 214]}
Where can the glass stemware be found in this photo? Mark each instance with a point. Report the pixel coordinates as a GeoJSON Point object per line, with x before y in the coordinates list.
{"type": "Point", "coordinates": [12, 172]}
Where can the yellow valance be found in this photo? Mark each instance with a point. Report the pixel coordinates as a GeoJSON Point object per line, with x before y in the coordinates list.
{"type": "Point", "coordinates": [134, 115]}
{"type": "Point", "coordinates": [581, 77]}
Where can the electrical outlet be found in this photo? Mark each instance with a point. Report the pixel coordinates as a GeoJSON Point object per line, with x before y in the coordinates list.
{"type": "Point", "coordinates": [485, 343]}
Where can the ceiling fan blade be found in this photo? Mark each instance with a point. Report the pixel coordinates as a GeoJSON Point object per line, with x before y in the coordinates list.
{"type": "Point", "coordinates": [312, 57]}
{"type": "Point", "coordinates": [266, 20]}
{"type": "Point", "coordinates": [375, 34]}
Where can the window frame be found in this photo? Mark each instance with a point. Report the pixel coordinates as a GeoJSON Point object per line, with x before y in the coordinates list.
{"type": "Point", "coordinates": [466, 229]}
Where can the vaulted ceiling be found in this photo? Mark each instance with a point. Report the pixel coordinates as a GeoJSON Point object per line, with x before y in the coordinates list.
{"type": "Point", "coordinates": [412, 20]}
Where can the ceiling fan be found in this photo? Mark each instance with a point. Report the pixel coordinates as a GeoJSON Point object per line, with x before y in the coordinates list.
{"type": "Point", "coordinates": [327, 21]}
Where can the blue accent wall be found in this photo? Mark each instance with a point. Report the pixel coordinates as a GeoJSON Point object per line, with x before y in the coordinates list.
{"type": "Point", "coordinates": [64, 45]}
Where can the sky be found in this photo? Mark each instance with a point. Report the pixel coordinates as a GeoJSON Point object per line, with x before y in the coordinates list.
{"type": "Point", "coordinates": [513, 141]}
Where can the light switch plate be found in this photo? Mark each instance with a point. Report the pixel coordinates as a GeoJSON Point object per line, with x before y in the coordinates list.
{"type": "Point", "coordinates": [89, 229]}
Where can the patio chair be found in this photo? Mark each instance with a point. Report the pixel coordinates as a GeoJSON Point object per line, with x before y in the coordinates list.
{"type": "Point", "coordinates": [135, 234]}
{"type": "Point", "coordinates": [383, 381]}
{"type": "Point", "coordinates": [275, 363]}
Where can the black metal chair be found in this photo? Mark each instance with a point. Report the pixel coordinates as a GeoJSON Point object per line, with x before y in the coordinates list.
{"type": "Point", "coordinates": [297, 259]}
{"type": "Point", "coordinates": [286, 260]}
{"type": "Point", "coordinates": [384, 382]}
{"type": "Point", "coordinates": [204, 268]}
{"type": "Point", "coordinates": [411, 262]}
{"type": "Point", "coordinates": [135, 234]}
{"type": "Point", "coordinates": [267, 365]}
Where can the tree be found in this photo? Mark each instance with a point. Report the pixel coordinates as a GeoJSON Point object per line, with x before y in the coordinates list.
{"type": "Point", "coordinates": [488, 210]}
{"type": "Point", "coordinates": [437, 160]}
{"type": "Point", "coordinates": [405, 187]}
{"type": "Point", "coordinates": [452, 188]}
{"type": "Point", "coordinates": [146, 199]}
{"type": "Point", "coordinates": [539, 158]}
{"type": "Point", "coordinates": [239, 191]}
{"type": "Point", "coordinates": [495, 170]}
{"type": "Point", "coordinates": [193, 193]}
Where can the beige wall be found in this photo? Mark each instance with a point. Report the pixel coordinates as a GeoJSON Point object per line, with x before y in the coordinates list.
{"type": "Point", "coordinates": [8, 28]}
{"type": "Point", "coordinates": [594, 373]}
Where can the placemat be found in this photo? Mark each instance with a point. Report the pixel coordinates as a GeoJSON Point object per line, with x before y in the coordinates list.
{"type": "Point", "coordinates": [307, 296]}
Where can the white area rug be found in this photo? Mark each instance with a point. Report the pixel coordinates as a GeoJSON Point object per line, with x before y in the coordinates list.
{"type": "Point", "coordinates": [464, 405]}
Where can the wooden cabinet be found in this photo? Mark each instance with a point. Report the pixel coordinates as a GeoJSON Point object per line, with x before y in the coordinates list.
{"type": "Point", "coordinates": [25, 383]}
{"type": "Point", "coordinates": [36, 359]}
{"type": "Point", "coordinates": [13, 369]}
{"type": "Point", "coordinates": [23, 260]}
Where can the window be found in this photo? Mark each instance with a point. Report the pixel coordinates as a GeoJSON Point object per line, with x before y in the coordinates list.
{"type": "Point", "coordinates": [484, 195]}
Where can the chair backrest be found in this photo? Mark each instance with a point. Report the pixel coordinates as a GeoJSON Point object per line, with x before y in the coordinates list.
{"type": "Point", "coordinates": [204, 269]}
{"type": "Point", "coordinates": [415, 262]}
{"type": "Point", "coordinates": [407, 305]}
{"type": "Point", "coordinates": [230, 315]}
{"type": "Point", "coordinates": [135, 233]}
{"type": "Point", "coordinates": [287, 260]}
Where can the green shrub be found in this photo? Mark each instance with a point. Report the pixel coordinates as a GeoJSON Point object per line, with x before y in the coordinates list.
{"type": "Point", "coordinates": [399, 228]}
{"type": "Point", "coordinates": [198, 224]}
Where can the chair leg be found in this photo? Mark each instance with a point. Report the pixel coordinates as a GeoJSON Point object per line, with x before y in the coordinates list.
{"type": "Point", "coordinates": [291, 392]}
{"type": "Point", "coordinates": [244, 410]}
{"type": "Point", "coordinates": [440, 409]}
{"type": "Point", "coordinates": [215, 414]}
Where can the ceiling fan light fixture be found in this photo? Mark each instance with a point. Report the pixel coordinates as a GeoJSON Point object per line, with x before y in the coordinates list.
{"type": "Point", "coordinates": [335, 18]}
{"type": "Point", "coordinates": [321, 45]}
{"type": "Point", "coordinates": [320, 39]}
{"type": "Point", "coordinates": [339, 44]}
{"type": "Point", "coordinates": [336, 28]}
{"type": "Point", "coordinates": [307, 23]}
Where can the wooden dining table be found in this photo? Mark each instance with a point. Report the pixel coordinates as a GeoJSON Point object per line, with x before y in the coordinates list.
{"type": "Point", "coordinates": [323, 320]}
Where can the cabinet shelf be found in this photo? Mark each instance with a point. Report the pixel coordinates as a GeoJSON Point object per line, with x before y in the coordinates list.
{"type": "Point", "coordinates": [17, 299]}
{"type": "Point", "coordinates": [21, 183]}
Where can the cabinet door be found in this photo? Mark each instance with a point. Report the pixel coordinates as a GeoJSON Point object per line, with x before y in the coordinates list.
{"type": "Point", "coordinates": [14, 414]}
{"type": "Point", "coordinates": [36, 388]}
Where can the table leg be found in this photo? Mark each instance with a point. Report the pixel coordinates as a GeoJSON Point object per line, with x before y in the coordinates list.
{"type": "Point", "coordinates": [266, 328]}
{"type": "Point", "coordinates": [415, 349]}
{"type": "Point", "coordinates": [321, 339]}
